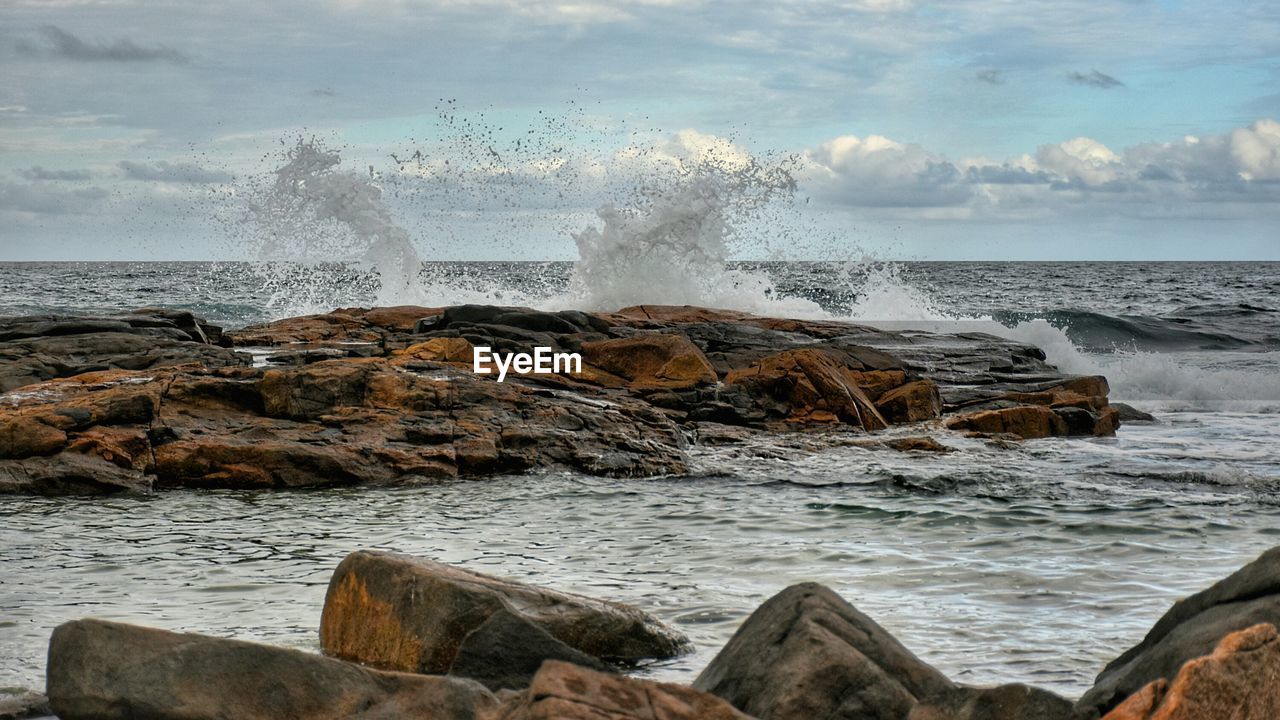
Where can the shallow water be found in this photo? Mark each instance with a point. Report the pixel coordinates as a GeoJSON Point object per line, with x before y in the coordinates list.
{"type": "Point", "coordinates": [1037, 564]}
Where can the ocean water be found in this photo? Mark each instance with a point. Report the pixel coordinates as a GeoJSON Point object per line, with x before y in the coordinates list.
{"type": "Point", "coordinates": [1036, 564]}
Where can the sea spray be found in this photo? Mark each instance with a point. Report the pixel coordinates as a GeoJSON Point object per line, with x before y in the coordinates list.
{"type": "Point", "coordinates": [315, 214]}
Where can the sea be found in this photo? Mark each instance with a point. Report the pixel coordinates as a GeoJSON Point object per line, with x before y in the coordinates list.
{"type": "Point", "coordinates": [1036, 564]}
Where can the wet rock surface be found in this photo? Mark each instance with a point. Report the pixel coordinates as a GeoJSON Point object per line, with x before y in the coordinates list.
{"type": "Point", "coordinates": [157, 399]}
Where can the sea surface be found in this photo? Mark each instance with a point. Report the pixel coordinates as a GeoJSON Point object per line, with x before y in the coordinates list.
{"type": "Point", "coordinates": [1037, 564]}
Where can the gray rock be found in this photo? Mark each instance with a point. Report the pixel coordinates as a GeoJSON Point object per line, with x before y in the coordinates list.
{"type": "Point", "coordinates": [1129, 413]}
{"type": "Point", "coordinates": [22, 707]}
{"type": "Point", "coordinates": [806, 653]}
{"type": "Point", "coordinates": [1190, 629]}
{"type": "Point", "coordinates": [111, 671]}
{"type": "Point", "coordinates": [507, 650]}
{"type": "Point", "coordinates": [1005, 702]}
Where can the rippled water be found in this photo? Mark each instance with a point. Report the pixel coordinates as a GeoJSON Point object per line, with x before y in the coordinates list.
{"type": "Point", "coordinates": [1036, 564]}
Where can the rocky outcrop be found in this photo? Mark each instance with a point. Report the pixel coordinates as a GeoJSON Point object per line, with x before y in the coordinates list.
{"type": "Point", "coordinates": [806, 653]}
{"type": "Point", "coordinates": [561, 691]}
{"type": "Point", "coordinates": [1193, 627]}
{"type": "Point", "coordinates": [37, 348]}
{"type": "Point", "coordinates": [1240, 680]}
{"type": "Point", "coordinates": [101, 670]}
{"type": "Point", "coordinates": [1005, 702]}
{"type": "Point", "coordinates": [388, 396]}
{"type": "Point", "coordinates": [397, 612]}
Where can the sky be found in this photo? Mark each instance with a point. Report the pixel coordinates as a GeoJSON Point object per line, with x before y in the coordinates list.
{"type": "Point", "coordinates": [968, 129]}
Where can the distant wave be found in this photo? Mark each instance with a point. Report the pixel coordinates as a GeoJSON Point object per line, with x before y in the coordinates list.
{"type": "Point", "coordinates": [1203, 327]}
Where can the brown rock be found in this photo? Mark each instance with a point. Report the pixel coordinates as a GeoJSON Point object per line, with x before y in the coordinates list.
{"type": "Point", "coordinates": [651, 361]}
{"type": "Point", "coordinates": [912, 402]}
{"type": "Point", "coordinates": [811, 386]}
{"type": "Point", "coordinates": [1024, 421]}
{"type": "Point", "coordinates": [1005, 702]}
{"type": "Point", "coordinates": [443, 349]}
{"type": "Point", "coordinates": [402, 613]}
{"type": "Point", "coordinates": [101, 670]}
{"type": "Point", "coordinates": [877, 382]}
{"type": "Point", "coordinates": [561, 691]}
{"type": "Point", "coordinates": [806, 653]}
{"type": "Point", "coordinates": [1240, 681]}
{"type": "Point", "coordinates": [921, 443]}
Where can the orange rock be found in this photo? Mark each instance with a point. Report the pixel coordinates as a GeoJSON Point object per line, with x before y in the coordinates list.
{"type": "Point", "coordinates": [913, 402]}
{"type": "Point", "coordinates": [877, 382]}
{"type": "Point", "coordinates": [1239, 681]}
{"type": "Point", "coordinates": [1025, 421]}
{"type": "Point", "coordinates": [561, 691]}
{"type": "Point", "coordinates": [441, 349]}
{"type": "Point", "coordinates": [651, 361]}
{"type": "Point", "coordinates": [813, 384]}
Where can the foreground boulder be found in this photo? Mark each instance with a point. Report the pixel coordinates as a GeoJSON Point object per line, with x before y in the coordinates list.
{"type": "Point", "coordinates": [410, 614]}
{"type": "Point", "coordinates": [1005, 702]}
{"type": "Point", "coordinates": [101, 670]}
{"type": "Point", "coordinates": [561, 691]}
{"type": "Point", "coordinates": [1193, 627]}
{"type": "Point", "coordinates": [1240, 681]}
{"type": "Point", "coordinates": [806, 653]}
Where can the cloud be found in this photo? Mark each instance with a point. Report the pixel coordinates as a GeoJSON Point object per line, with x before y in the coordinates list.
{"type": "Point", "coordinates": [63, 44]}
{"type": "Point", "coordinates": [49, 199]}
{"type": "Point", "coordinates": [1198, 174]}
{"type": "Point", "coordinates": [40, 173]}
{"type": "Point", "coordinates": [167, 172]}
{"type": "Point", "coordinates": [876, 171]}
{"type": "Point", "coordinates": [1093, 78]}
{"type": "Point", "coordinates": [991, 77]}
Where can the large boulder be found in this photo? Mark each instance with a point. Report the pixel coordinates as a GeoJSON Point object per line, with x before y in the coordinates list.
{"type": "Point", "coordinates": [1004, 702]}
{"type": "Point", "coordinates": [1193, 627]}
{"type": "Point", "coordinates": [806, 385]}
{"type": "Point", "coordinates": [404, 613]}
{"type": "Point", "coordinates": [1240, 681]}
{"type": "Point", "coordinates": [507, 650]}
{"type": "Point", "coordinates": [101, 670]}
{"type": "Point", "coordinates": [561, 691]}
{"type": "Point", "coordinates": [806, 653]}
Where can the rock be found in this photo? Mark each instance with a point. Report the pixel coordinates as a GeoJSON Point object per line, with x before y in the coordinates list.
{"type": "Point", "coordinates": [35, 349]}
{"type": "Point", "coordinates": [1240, 681]}
{"type": "Point", "coordinates": [395, 420]}
{"type": "Point", "coordinates": [1005, 702]}
{"type": "Point", "coordinates": [806, 653]}
{"type": "Point", "coordinates": [1193, 627]}
{"type": "Point", "coordinates": [397, 612]}
{"type": "Point", "coordinates": [1024, 421]}
{"type": "Point", "coordinates": [651, 362]}
{"type": "Point", "coordinates": [21, 707]}
{"type": "Point", "coordinates": [806, 386]}
{"type": "Point", "coordinates": [912, 402]}
{"type": "Point", "coordinates": [101, 670]}
{"type": "Point", "coordinates": [917, 444]}
{"type": "Point", "coordinates": [506, 650]}
{"type": "Point", "coordinates": [561, 691]}
{"type": "Point", "coordinates": [1128, 413]}
{"type": "Point", "coordinates": [375, 326]}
